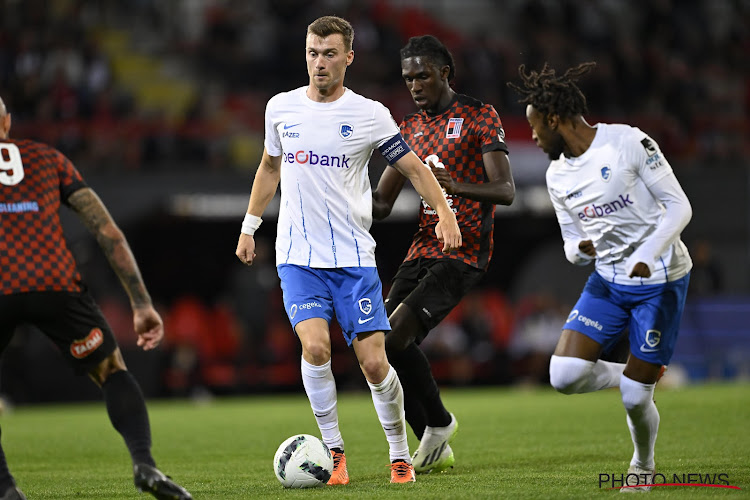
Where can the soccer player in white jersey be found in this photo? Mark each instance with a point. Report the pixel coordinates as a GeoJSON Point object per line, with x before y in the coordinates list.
{"type": "Point", "coordinates": [620, 205]}
{"type": "Point", "coordinates": [319, 139]}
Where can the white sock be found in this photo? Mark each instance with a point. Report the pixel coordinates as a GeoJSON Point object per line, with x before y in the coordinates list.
{"type": "Point", "coordinates": [388, 397]}
{"type": "Point", "coordinates": [606, 374]}
{"type": "Point", "coordinates": [321, 391]}
{"type": "Point", "coordinates": [571, 375]}
{"type": "Point", "coordinates": [643, 420]}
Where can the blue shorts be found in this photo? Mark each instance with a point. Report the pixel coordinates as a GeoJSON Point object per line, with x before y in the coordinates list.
{"type": "Point", "coordinates": [651, 312]}
{"type": "Point", "coordinates": [353, 293]}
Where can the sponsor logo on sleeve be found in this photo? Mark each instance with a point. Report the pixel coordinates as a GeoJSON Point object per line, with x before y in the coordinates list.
{"type": "Point", "coordinates": [649, 146]}
{"type": "Point", "coordinates": [654, 162]}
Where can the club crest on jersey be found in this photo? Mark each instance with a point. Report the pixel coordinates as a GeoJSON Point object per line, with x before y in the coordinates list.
{"type": "Point", "coordinates": [85, 346]}
{"type": "Point", "coordinates": [606, 173]}
{"type": "Point", "coordinates": [346, 131]}
{"type": "Point", "coordinates": [365, 305]}
{"type": "Point", "coordinates": [454, 128]}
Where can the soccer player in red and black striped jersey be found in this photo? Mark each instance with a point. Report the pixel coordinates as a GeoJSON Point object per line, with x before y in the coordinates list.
{"type": "Point", "coordinates": [41, 286]}
{"type": "Point", "coordinates": [462, 141]}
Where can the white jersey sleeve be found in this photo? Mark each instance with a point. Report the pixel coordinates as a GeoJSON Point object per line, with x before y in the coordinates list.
{"type": "Point", "coordinates": [384, 126]}
{"type": "Point", "coordinates": [677, 214]}
{"type": "Point", "coordinates": [272, 141]}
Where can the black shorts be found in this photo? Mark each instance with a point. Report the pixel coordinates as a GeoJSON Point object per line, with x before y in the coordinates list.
{"type": "Point", "coordinates": [72, 320]}
{"type": "Point", "coordinates": [431, 288]}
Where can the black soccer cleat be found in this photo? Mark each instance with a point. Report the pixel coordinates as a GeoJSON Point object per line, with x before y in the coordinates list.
{"type": "Point", "coordinates": [151, 480]}
{"type": "Point", "coordinates": [13, 493]}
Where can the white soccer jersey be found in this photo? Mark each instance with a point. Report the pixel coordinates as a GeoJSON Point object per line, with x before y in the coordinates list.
{"type": "Point", "coordinates": [605, 193]}
{"type": "Point", "coordinates": [326, 198]}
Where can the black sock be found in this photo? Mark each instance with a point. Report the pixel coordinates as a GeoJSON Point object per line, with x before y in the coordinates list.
{"type": "Point", "coordinates": [415, 415]}
{"type": "Point", "coordinates": [421, 393]}
{"type": "Point", "coordinates": [127, 412]}
{"type": "Point", "coordinates": [427, 389]}
{"type": "Point", "coordinates": [6, 480]}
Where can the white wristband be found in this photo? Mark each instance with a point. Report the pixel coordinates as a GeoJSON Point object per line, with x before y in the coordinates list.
{"type": "Point", "coordinates": [250, 224]}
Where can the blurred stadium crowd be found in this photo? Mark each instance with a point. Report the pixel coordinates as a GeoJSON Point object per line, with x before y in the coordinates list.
{"type": "Point", "coordinates": [177, 85]}
{"type": "Point", "coordinates": [158, 84]}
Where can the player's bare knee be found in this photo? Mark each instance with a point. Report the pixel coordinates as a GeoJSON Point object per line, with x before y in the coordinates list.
{"type": "Point", "coordinates": [317, 353]}
{"type": "Point", "coordinates": [374, 368]}
{"type": "Point", "coordinates": [109, 365]}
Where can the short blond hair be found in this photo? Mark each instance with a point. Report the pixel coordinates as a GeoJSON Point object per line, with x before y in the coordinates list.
{"type": "Point", "coordinates": [331, 25]}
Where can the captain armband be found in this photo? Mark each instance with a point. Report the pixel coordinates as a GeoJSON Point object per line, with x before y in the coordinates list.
{"type": "Point", "coordinates": [394, 149]}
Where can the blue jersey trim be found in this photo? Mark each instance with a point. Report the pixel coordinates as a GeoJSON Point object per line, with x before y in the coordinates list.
{"type": "Point", "coordinates": [666, 274]}
{"type": "Point", "coordinates": [304, 228]}
{"type": "Point", "coordinates": [289, 250]}
{"type": "Point", "coordinates": [330, 225]}
{"type": "Point", "coordinates": [356, 243]}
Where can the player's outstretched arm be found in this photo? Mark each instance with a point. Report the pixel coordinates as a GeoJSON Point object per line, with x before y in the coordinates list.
{"type": "Point", "coordinates": [385, 195]}
{"type": "Point", "coordinates": [97, 219]}
{"type": "Point", "coordinates": [264, 188]}
{"type": "Point", "coordinates": [500, 188]}
{"type": "Point", "coordinates": [427, 186]}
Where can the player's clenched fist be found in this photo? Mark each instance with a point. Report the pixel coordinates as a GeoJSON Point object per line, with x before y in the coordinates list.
{"type": "Point", "coordinates": [449, 235]}
{"type": "Point", "coordinates": [246, 249]}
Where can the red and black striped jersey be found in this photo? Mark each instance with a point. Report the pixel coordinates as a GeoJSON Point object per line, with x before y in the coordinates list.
{"type": "Point", "coordinates": [458, 136]}
{"type": "Point", "coordinates": [34, 179]}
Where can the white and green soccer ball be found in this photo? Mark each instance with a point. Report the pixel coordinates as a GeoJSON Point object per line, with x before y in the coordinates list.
{"type": "Point", "coordinates": [303, 461]}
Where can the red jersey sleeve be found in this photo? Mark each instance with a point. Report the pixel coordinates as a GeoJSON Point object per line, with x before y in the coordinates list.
{"type": "Point", "coordinates": [490, 129]}
{"type": "Point", "coordinates": [70, 179]}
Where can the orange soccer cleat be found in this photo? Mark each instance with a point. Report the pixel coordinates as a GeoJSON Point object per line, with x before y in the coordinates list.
{"type": "Point", "coordinates": [339, 475]}
{"type": "Point", "coordinates": [402, 472]}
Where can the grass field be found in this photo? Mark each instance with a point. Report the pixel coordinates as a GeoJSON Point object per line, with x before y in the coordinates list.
{"type": "Point", "coordinates": [512, 443]}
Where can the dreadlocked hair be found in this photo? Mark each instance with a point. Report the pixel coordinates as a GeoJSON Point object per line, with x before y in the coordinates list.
{"type": "Point", "coordinates": [433, 49]}
{"type": "Point", "coordinates": [552, 94]}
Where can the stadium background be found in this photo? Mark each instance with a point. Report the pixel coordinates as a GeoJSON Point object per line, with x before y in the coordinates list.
{"type": "Point", "coordinates": [160, 105]}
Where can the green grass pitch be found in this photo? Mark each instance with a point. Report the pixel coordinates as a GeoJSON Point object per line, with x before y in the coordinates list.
{"type": "Point", "coordinates": [512, 443]}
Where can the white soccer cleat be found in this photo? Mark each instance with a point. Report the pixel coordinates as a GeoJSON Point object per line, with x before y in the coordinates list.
{"type": "Point", "coordinates": [433, 451]}
{"type": "Point", "coordinates": [638, 480]}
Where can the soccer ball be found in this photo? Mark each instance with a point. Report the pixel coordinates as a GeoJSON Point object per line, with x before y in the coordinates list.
{"type": "Point", "coordinates": [303, 461]}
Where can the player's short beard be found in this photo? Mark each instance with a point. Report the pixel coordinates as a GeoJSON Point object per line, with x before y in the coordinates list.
{"type": "Point", "coordinates": [557, 147]}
